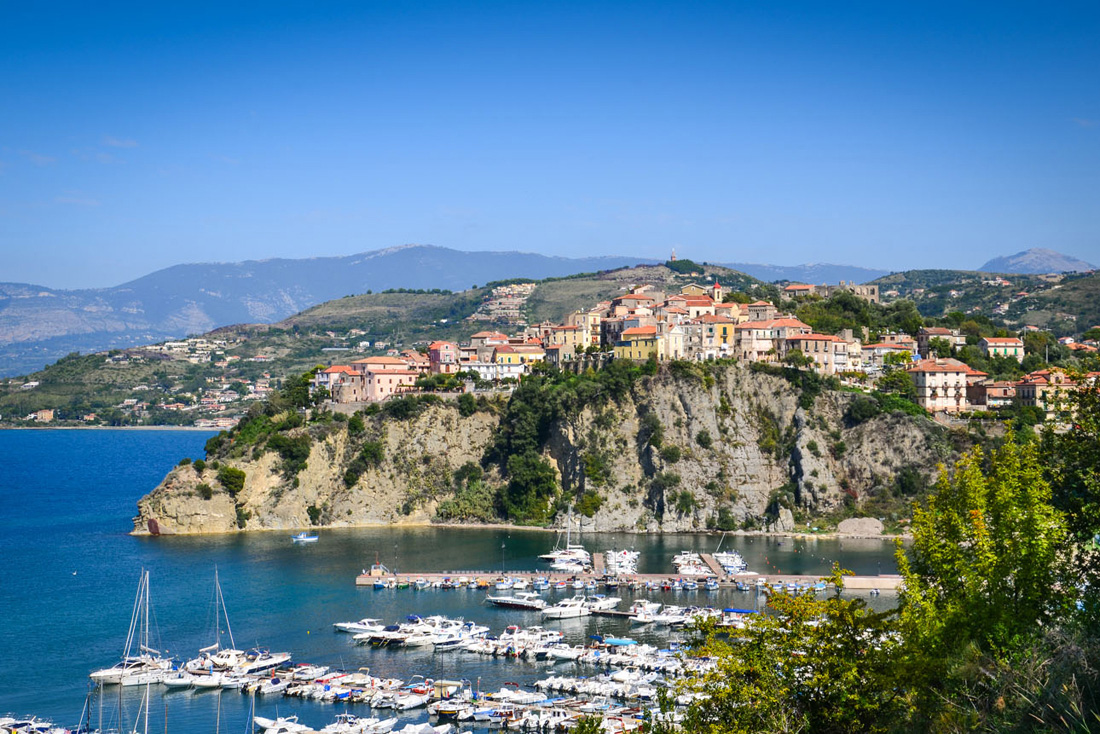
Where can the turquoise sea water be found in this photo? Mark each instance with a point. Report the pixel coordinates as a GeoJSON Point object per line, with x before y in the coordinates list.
{"type": "Point", "coordinates": [69, 571]}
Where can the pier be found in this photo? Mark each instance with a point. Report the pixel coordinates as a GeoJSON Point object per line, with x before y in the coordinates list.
{"type": "Point", "coordinates": [884, 582]}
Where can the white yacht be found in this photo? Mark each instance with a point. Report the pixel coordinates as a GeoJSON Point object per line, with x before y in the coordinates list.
{"type": "Point", "coordinates": [366, 624]}
{"type": "Point", "coordinates": [147, 665]}
{"type": "Point", "coordinates": [524, 600]}
{"type": "Point", "coordinates": [567, 608]}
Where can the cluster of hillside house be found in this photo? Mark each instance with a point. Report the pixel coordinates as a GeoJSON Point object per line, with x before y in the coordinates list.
{"type": "Point", "coordinates": [695, 324]}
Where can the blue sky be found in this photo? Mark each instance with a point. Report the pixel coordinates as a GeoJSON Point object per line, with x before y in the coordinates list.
{"type": "Point", "coordinates": [136, 136]}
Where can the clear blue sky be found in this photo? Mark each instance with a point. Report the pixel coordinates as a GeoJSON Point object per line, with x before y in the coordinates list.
{"type": "Point", "coordinates": [895, 135]}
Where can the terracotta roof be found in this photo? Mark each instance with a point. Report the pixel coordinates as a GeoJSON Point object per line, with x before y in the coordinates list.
{"type": "Point", "coordinates": [761, 303]}
{"type": "Point", "coordinates": [339, 368]}
{"type": "Point", "coordinates": [1003, 340]}
{"type": "Point", "coordinates": [380, 360]}
{"type": "Point", "coordinates": [489, 335]}
{"type": "Point", "coordinates": [938, 365]}
{"type": "Point", "coordinates": [799, 287]}
{"type": "Point", "coordinates": [640, 331]}
{"type": "Point", "coordinates": [441, 344]}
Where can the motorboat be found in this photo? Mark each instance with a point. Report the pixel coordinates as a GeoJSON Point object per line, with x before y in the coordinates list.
{"type": "Point", "coordinates": [366, 624]}
{"type": "Point", "coordinates": [599, 602]}
{"type": "Point", "coordinates": [524, 600]}
{"type": "Point", "coordinates": [304, 537]}
{"type": "Point", "coordinates": [178, 680]}
{"type": "Point", "coordinates": [575, 606]}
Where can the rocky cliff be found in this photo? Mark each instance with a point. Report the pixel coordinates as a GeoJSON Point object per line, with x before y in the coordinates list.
{"type": "Point", "coordinates": [690, 448]}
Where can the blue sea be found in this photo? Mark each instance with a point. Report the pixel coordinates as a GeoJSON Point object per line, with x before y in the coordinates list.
{"type": "Point", "coordinates": [69, 570]}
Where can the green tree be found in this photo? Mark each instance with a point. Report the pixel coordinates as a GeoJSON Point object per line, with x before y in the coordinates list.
{"type": "Point", "coordinates": [812, 665]}
{"type": "Point", "coordinates": [940, 347]}
{"type": "Point", "coordinates": [985, 571]}
{"type": "Point", "coordinates": [231, 478]}
{"type": "Point", "coordinates": [898, 382]}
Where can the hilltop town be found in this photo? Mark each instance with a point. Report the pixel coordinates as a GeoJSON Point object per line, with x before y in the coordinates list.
{"type": "Point", "coordinates": [935, 366]}
{"type": "Point", "coordinates": [935, 339]}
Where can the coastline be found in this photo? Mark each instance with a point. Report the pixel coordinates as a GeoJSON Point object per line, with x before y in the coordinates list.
{"type": "Point", "coordinates": [535, 529]}
{"type": "Point", "coordinates": [106, 428]}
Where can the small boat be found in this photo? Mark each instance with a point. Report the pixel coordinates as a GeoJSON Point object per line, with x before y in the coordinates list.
{"type": "Point", "coordinates": [304, 537]}
{"type": "Point", "coordinates": [524, 600]}
{"type": "Point", "coordinates": [178, 680]}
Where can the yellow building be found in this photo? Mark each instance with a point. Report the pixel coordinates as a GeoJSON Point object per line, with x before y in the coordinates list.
{"type": "Point", "coordinates": [638, 343]}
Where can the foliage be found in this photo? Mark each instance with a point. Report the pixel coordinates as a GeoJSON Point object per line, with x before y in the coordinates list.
{"type": "Point", "coordinates": [467, 405]}
{"type": "Point", "coordinates": [812, 665]}
{"type": "Point", "coordinates": [184, 461]}
{"type": "Point", "coordinates": [898, 382]}
{"type": "Point", "coordinates": [314, 513]}
{"type": "Point", "coordinates": [597, 468]}
{"type": "Point", "coordinates": [545, 396]}
{"type": "Point", "coordinates": [861, 410]}
{"type": "Point", "coordinates": [370, 456]}
{"type": "Point", "coordinates": [891, 403]}
{"type": "Point", "coordinates": [985, 568]}
{"type": "Point", "coordinates": [473, 498]}
{"type": "Point", "coordinates": [703, 439]}
{"type": "Point", "coordinates": [684, 502]}
{"type": "Point", "coordinates": [532, 484]}
{"type": "Point", "coordinates": [356, 426]}
{"type": "Point", "coordinates": [243, 517]}
{"type": "Point", "coordinates": [214, 443]}
{"type": "Point", "coordinates": [199, 466]}
{"type": "Point", "coordinates": [293, 451]}
{"type": "Point", "coordinates": [205, 491]}
{"type": "Point", "coordinates": [589, 503]}
{"type": "Point", "coordinates": [684, 266]}
{"type": "Point", "coordinates": [231, 478]}
{"type": "Point", "coordinates": [409, 407]}
{"type": "Point", "coordinates": [650, 430]}
{"type": "Point", "coordinates": [671, 453]}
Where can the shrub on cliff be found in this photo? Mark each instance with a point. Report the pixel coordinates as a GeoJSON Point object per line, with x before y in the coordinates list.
{"type": "Point", "coordinates": [293, 451]}
{"type": "Point", "coordinates": [231, 478]}
{"type": "Point", "coordinates": [370, 456]}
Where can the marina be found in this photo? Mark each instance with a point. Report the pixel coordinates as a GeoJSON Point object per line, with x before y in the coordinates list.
{"type": "Point", "coordinates": [442, 579]}
{"type": "Point", "coordinates": [76, 568]}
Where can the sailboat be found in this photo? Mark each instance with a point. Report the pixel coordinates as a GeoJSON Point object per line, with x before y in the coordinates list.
{"type": "Point", "coordinates": [147, 665]}
{"type": "Point", "coordinates": [565, 559]}
{"type": "Point", "coordinates": [218, 666]}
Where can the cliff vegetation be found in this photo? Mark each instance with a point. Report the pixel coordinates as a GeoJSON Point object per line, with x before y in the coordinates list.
{"type": "Point", "coordinates": [683, 446]}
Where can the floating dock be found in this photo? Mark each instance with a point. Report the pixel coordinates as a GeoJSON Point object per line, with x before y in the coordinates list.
{"type": "Point", "coordinates": [884, 582]}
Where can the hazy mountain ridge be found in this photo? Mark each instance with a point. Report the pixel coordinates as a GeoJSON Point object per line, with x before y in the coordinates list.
{"type": "Point", "coordinates": [39, 325]}
{"type": "Point", "coordinates": [1037, 260]}
{"type": "Point", "coordinates": [818, 273]}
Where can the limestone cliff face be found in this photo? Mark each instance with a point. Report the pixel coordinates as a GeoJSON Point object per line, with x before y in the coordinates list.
{"type": "Point", "coordinates": [419, 456]}
{"type": "Point", "coordinates": [726, 446]}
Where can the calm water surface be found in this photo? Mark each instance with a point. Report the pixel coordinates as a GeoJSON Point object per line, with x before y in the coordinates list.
{"type": "Point", "coordinates": [69, 571]}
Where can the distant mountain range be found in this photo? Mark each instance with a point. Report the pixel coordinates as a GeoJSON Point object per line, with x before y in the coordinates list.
{"type": "Point", "coordinates": [818, 273]}
{"type": "Point", "coordinates": [38, 325]}
{"type": "Point", "coordinates": [1035, 261]}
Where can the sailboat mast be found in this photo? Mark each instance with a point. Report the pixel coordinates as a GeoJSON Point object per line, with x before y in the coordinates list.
{"type": "Point", "coordinates": [224, 611]}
